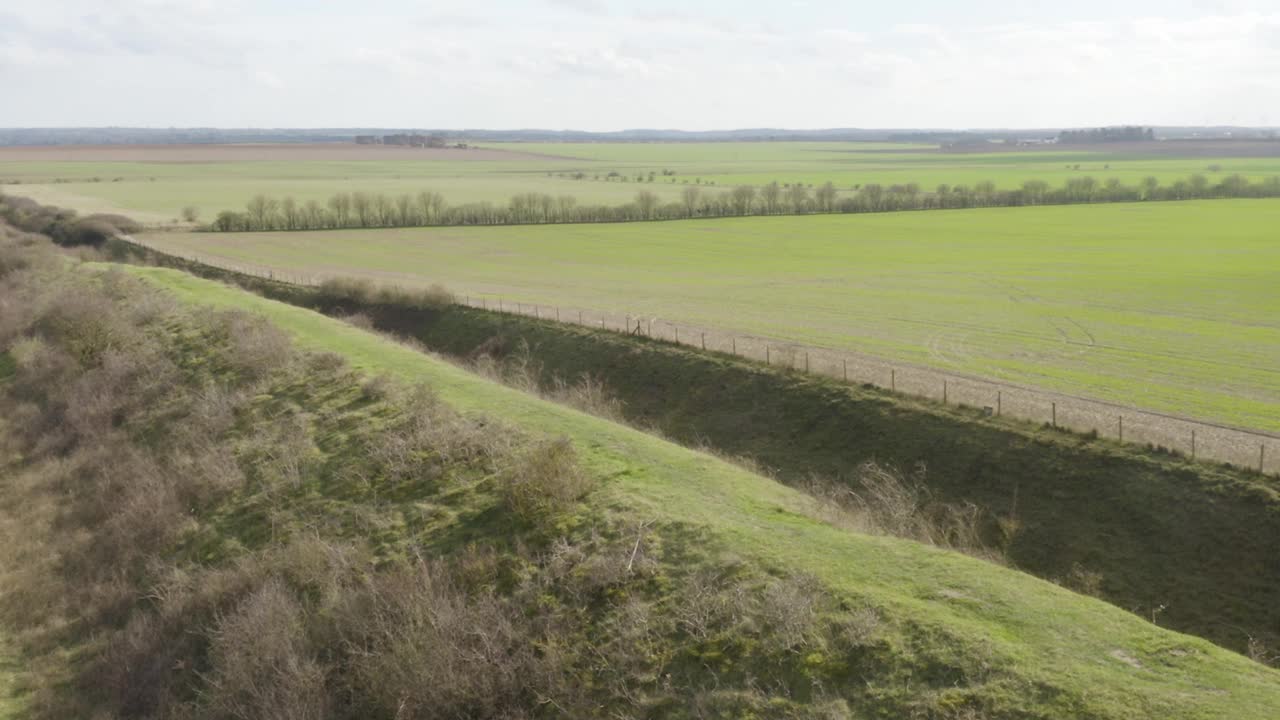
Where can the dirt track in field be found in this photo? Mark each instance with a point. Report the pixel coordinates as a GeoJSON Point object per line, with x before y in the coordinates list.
{"type": "Point", "coordinates": [278, 152]}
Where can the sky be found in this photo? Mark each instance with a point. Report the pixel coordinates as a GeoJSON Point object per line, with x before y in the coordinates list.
{"type": "Point", "coordinates": [614, 64]}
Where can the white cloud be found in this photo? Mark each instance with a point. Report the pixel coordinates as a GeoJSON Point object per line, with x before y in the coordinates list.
{"type": "Point", "coordinates": [598, 65]}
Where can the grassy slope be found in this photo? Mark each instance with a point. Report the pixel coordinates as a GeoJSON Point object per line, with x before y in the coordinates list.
{"type": "Point", "coordinates": [1073, 648]}
{"type": "Point", "coordinates": [1167, 306]}
{"type": "Point", "coordinates": [1134, 517]}
{"type": "Point", "coordinates": [10, 705]}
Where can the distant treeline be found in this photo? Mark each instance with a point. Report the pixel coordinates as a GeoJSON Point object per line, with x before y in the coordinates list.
{"type": "Point", "coordinates": [1128, 133]}
{"type": "Point", "coordinates": [374, 210]}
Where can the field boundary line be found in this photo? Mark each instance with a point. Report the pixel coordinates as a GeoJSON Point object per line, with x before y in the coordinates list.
{"type": "Point", "coordinates": [1245, 448]}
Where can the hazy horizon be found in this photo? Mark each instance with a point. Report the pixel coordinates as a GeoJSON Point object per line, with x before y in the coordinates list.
{"type": "Point", "coordinates": [603, 65]}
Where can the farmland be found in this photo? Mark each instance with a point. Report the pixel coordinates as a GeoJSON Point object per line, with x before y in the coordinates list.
{"type": "Point", "coordinates": [1168, 306]}
{"type": "Point", "coordinates": [154, 183]}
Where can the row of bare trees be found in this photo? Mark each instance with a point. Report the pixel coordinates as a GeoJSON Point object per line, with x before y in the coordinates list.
{"type": "Point", "coordinates": [373, 210]}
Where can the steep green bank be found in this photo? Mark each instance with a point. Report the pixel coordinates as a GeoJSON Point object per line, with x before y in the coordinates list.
{"type": "Point", "coordinates": [1189, 544]}
{"type": "Point", "coordinates": [1007, 644]}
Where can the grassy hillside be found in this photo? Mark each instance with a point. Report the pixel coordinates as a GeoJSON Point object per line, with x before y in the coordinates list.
{"type": "Point", "coordinates": [1009, 645]}
{"type": "Point", "coordinates": [1166, 306]}
{"type": "Point", "coordinates": [1126, 524]}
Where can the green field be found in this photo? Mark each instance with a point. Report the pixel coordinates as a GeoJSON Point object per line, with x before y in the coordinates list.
{"type": "Point", "coordinates": [851, 164]}
{"type": "Point", "coordinates": [1010, 632]}
{"type": "Point", "coordinates": [1169, 306]}
{"type": "Point", "coordinates": [155, 192]}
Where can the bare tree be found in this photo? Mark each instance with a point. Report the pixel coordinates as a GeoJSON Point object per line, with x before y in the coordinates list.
{"type": "Point", "coordinates": [691, 194]}
{"type": "Point", "coordinates": [340, 206]}
{"type": "Point", "coordinates": [771, 196]}
{"type": "Point", "coordinates": [646, 202]}
{"type": "Point", "coordinates": [743, 197]}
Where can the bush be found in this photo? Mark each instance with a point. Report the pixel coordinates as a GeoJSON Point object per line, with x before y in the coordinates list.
{"type": "Point", "coordinates": [263, 664]}
{"type": "Point", "coordinates": [542, 480]}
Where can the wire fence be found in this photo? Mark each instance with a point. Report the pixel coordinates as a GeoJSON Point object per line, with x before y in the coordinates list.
{"type": "Point", "coordinates": [1162, 432]}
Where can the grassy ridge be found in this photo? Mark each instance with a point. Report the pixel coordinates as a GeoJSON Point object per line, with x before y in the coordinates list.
{"type": "Point", "coordinates": [1072, 655]}
{"type": "Point", "coordinates": [1082, 506]}
{"type": "Point", "coordinates": [1165, 306]}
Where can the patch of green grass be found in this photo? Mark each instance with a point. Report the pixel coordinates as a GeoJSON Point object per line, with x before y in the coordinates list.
{"type": "Point", "coordinates": [7, 366]}
{"type": "Point", "coordinates": [11, 705]}
{"type": "Point", "coordinates": [848, 165]}
{"type": "Point", "coordinates": [157, 191]}
{"type": "Point", "coordinates": [1074, 655]}
{"type": "Point", "coordinates": [1166, 306]}
{"type": "Point", "coordinates": [1132, 518]}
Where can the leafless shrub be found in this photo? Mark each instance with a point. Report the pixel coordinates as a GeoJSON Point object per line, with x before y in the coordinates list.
{"type": "Point", "coordinates": [707, 603]}
{"type": "Point", "coordinates": [1083, 580]}
{"type": "Point", "coordinates": [436, 296]}
{"type": "Point", "coordinates": [433, 651]}
{"type": "Point", "coordinates": [885, 502]}
{"type": "Point", "coordinates": [78, 321]}
{"type": "Point", "coordinates": [360, 320]}
{"type": "Point", "coordinates": [125, 381]}
{"type": "Point", "coordinates": [263, 665]}
{"type": "Point", "coordinates": [378, 387]}
{"type": "Point", "coordinates": [588, 394]}
{"type": "Point", "coordinates": [1259, 652]}
{"type": "Point", "coordinates": [288, 455]}
{"type": "Point", "coordinates": [788, 610]}
{"type": "Point", "coordinates": [429, 437]}
{"type": "Point", "coordinates": [857, 628]}
{"type": "Point", "coordinates": [255, 348]}
{"type": "Point", "coordinates": [325, 363]}
{"type": "Point", "coordinates": [542, 479]}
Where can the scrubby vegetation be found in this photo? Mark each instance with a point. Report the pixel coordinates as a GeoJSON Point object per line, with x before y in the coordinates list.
{"type": "Point", "coordinates": [200, 520]}
{"type": "Point", "coordinates": [1107, 520]}
{"type": "Point", "coordinates": [218, 525]}
{"type": "Point", "coordinates": [65, 227]}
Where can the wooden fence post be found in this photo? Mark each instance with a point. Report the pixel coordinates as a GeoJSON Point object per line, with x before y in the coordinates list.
{"type": "Point", "coordinates": [846, 369]}
{"type": "Point", "coordinates": [1055, 414]}
{"type": "Point", "coordinates": [1262, 456]}
{"type": "Point", "coordinates": [806, 361]}
{"type": "Point", "coordinates": [677, 327]}
{"type": "Point", "coordinates": [1121, 428]}
{"type": "Point", "coordinates": [767, 359]}
{"type": "Point", "coordinates": [734, 338]}
{"type": "Point", "coordinates": [580, 318]}
{"type": "Point", "coordinates": [944, 391]}
{"type": "Point", "coordinates": [893, 379]}
{"type": "Point", "coordinates": [704, 341]}
{"type": "Point", "coordinates": [999, 401]}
